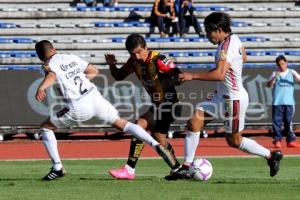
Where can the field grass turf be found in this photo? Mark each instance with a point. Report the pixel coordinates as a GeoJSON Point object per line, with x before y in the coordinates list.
{"type": "Point", "coordinates": [233, 179]}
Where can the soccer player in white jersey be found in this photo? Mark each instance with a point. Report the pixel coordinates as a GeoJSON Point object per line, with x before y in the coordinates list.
{"type": "Point", "coordinates": [230, 100]}
{"type": "Point", "coordinates": [83, 102]}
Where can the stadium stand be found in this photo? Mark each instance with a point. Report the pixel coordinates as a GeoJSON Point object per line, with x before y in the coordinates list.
{"type": "Point", "coordinates": [267, 29]}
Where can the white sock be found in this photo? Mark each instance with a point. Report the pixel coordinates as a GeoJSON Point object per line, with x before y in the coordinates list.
{"type": "Point", "coordinates": [252, 147]}
{"type": "Point", "coordinates": [50, 144]}
{"type": "Point", "coordinates": [130, 169]}
{"type": "Point", "coordinates": [140, 133]}
{"type": "Point", "coordinates": [190, 146]}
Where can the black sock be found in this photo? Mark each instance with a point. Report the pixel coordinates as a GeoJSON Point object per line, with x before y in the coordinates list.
{"type": "Point", "coordinates": [136, 147]}
{"type": "Point", "coordinates": [170, 148]}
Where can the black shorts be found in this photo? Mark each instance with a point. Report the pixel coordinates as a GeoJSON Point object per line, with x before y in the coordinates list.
{"type": "Point", "coordinates": [160, 118]}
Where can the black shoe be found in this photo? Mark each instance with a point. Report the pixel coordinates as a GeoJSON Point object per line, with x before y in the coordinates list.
{"type": "Point", "coordinates": [274, 162]}
{"type": "Point", "coordinates": [52, 175]}
{"type": "Point", "coordinates": [183, 172]}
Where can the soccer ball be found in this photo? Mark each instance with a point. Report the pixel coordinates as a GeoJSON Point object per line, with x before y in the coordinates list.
{"type": "Point", "coordinates": [201, 169]}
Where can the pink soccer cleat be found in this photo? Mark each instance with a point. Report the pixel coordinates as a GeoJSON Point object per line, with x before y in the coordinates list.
{"type": "Point", "coordinates": [122, 173]}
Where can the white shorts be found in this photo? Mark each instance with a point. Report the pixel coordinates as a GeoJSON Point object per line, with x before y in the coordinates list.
{"type": "Point", "coordinates": [232, 112]}
{"type": "Point", "coordinates": [92, 105]}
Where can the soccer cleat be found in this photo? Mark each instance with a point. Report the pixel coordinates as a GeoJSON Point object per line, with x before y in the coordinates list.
{"type": "Point", "coordinates": [277, 143]}
{"type": "Point", "coordinates": [122, 173]}
{"type": "Point", "coordinates": [274, 162]}
{"type": "Point", "coordinates": [293, 144]}
{"type": "Point", "coordinates": [52, 175]}
{"type": "Point", "coordinates": [183, 172]}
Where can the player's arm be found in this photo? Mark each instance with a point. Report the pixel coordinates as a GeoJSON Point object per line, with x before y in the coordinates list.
{"type": "Point", "coordinates": [118, 73]}
{"type": "Point", "coordinates": [91, 71]}
{"type": "Point", "coordinates": [272, 79]}
{"type": "Point", "coordinates": [48, 81]}
{"type": "Point", "coordinates": [156, 11]}
{"type": "Point", "coordinates": [296, 76]}
{"type": "Point", "coordinates": [217, 74]}
{"type": "Point", "coordinates": [168, 68]}
{"type": "Point", "coordinates": [244, 55]}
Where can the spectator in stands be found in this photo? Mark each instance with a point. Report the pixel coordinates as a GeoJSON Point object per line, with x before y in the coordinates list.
{"type": "Point", "coordinates": [90, 3]}
{"type": "Point", "coordinates": [185, 11]}
{"type": "Point", "coordinates": [93, 3]}
{"type": "Point", "coordinates": [110, 3]}
{"type": "Point", "coordinates": [158, 75]}
{"type": "Point", "coordinates": [283, 104]}
{"type": "Point", "coordinates": [164, 16]}
{"type": "Point", "coordinates": [83, 102]}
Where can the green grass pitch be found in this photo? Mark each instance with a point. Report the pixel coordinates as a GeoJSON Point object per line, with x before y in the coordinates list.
{"type": "Point", "coordinates": [233, 179]}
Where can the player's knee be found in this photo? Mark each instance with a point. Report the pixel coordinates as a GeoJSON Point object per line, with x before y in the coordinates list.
{"type": "Point", "coordinates": [192, 126]}
{"type": "Point", "coordinates": [233, 142]}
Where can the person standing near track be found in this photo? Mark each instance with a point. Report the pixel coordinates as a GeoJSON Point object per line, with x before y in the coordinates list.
{"type": "Point", "coordinates": [229, 102]}
{"type": "Point", "coordinates": [158, 75]}
{"type": "Point", "coordinates": [283, 103]}
{"type": "Point", "coordinates": [83, 102]}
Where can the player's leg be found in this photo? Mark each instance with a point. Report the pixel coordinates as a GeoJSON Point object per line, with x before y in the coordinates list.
{"type": "Point", "coordinates": [203, 114]}
{"type": "Point", "coordinates": [288, 126]}
{"type": "Point", "coordinates": [50, 144]}
{"type": "Point", "coordinates": [277, 119]}
{"type": "Point", "coordinates": [234, 112]}
{"type": "Point", "coordinates": [136, 146]}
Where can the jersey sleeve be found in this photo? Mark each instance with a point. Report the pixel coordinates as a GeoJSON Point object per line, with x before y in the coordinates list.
{"type": "Point", "coordinates": [272, 76]}
{"type": "Point", "coordinates": [295, 74]}
{"type": "Point", "coordinates": [169, 70]}
{"type": "Point", "coordinates": [230, 49]}
{"type": "Point", "coordinates": [81, 63]}
{"type": "Point", "coordinates": [164, 65]}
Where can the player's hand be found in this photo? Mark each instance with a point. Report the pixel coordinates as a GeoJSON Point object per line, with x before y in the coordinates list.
{"type": "Point", "coordinates": [185, 76]}
{"type": "Point", "coordinates": [40, 95]}
{"type": "Point", "coordinates": [110, 59]}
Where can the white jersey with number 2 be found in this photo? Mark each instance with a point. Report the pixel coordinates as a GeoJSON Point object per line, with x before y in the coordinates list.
{"type": "Point", "coordinates": [69, 70]}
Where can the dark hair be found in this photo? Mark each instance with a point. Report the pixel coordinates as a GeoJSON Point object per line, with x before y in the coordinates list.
{"type": "Point", "coordinates": [42, 47]}
{"type": "Point", "coordinates": [279, 58]}
{"type": "Point", "coordinates": [217, 20]}
{"type": "Point", "coordinates": [133, 41]}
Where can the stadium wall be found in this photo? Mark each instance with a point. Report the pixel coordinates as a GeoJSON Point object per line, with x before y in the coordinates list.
{"type": "Point", "coordinates": [19, 107]}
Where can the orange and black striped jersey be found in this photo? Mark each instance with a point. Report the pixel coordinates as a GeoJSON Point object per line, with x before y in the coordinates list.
{"type": "Point", "coordinates": [158, 75]}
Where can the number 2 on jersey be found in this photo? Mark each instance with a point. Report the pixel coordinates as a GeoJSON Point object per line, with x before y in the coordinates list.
{"type": "Point", "coordinates": [79, 81]}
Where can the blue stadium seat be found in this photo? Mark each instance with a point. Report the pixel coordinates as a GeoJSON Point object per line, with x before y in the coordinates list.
{"type": "Point", "coordinates": [140, 24]}
{"type": "Point", "coordinates": [178, 54]}
{"type": "Point", "coordinates": [274, 53]}
{"type": "Point", "coordinates": [104, 24]}
{"type": "Point", "coordinates": [202, 8]}
{"type": "Point", "coordinates": [256, 53]}
{"type": "Point", "coordinates": [84, 8]}
{"type": "Point", "coordinates": [7, 25]}
{"type": "Point", "coordinates": [252, 39]}
{"type": "Point", "coordinates": [197, 39]}
{"type": "Point", "coordinates": [239, 24]}
{"type": "Point", "coordinates": [122, 24]}
{"type": "Point", "coordinates": [4, 55]}
{"type": "Point", "coordinates": [118, 40]}
{"type": "Point", "coordinates": [6, 40]}
{"type": "Point", "coordinates": [103, 8]}
{"type": "Point", "coordinates": [23, 54]}
{"type": "Point", "coordinates": [21, 67]}
{"type": "Point", "coordinates": [292, 53]}
{"type": "Point", "coordinates": [22, 40]}
{"type": "Point", "coordinates": [219, 8]}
